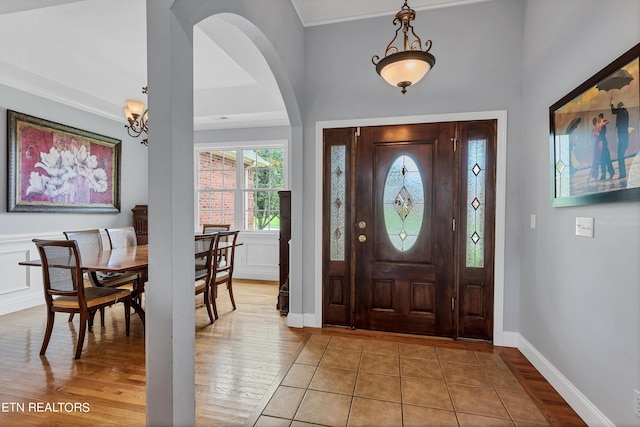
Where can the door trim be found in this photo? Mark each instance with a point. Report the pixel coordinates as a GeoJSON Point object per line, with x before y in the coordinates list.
{"type": "Point", "coordinates": [500, 337]}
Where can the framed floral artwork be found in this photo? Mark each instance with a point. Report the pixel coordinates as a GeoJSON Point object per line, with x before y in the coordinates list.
{"type": "Point", "coordinates": [57, 168]}
{"type": "Point", "coordinates": [594, 139]}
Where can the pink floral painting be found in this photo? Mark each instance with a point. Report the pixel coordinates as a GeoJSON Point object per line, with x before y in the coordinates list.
{"type": "Point", "coordinates": [61, 167]}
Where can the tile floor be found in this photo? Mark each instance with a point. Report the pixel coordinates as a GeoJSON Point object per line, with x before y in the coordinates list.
{"type": "Point", "coordinates": [340, 381]}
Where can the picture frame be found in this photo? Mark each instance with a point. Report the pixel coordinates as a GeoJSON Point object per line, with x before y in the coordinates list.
{"type": "Point", "coordinates": [53, 167]}
{"type": "Point", "coordinates": [588, 137]}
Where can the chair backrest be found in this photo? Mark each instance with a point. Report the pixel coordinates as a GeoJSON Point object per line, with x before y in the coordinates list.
{"type": "Point", "coordinates": [211, 228]}
{"type": "Point", "coordinates": [123, 237]}
{"type": "Point", "coordinates": [61, 272]}
{"type": "Point", "coordinates": [87, 239]}
{"type": "Point", "coordinates": [224, 257]}
{"type": "Point", "coordinates": [204, 254]}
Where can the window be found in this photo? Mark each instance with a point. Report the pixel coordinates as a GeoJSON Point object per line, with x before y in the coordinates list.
{"type": "Point", "coordinates": [240, 187]}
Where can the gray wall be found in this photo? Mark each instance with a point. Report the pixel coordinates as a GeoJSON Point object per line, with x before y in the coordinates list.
{"type": "Point", "coordinates": [580, 297]}
{"type": "Point", "coordinates": [478, 68]}
{"type": "Point", "coordinates": [133, 168]}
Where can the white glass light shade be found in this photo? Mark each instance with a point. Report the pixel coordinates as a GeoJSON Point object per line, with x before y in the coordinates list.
{"type": "Point", "coordinates": [127, 113]}
{"type": "Point", "coordinates": [135, 107]}
{"type": "Point", "coordinates": [403, 69]}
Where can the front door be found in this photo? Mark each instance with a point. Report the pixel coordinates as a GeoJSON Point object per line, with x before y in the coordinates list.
{"type": "Point", "coordinates": [404, 247]}
{"type": "Point", "coordinates": [408, 228]}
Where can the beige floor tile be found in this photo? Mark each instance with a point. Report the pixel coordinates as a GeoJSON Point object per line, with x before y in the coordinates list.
{"type": "Point", "coordinates": [455, 373]}
{"type": "Point", "coordinates": [319, 407]}
{"type": "Point", "coordinates": [316, 340]}
{"type": "Point", "coordinates": [380, 347]}
{"type": "Point", "coordinates": [310, 355]}
{"type": "Point", "coordinates": [418, 416]}
{"type": "Point", "coordinates": [417, 351]}
{"type": "Point", "coordinates": [299, 375]}
{"type": "Point", "coordinates": [525, 424]}
{"type": "Point", "coordinates": [370, 412]}
{"type": "Point", "coordinates": [470, 420]}
{"type": "Point", "coordinates": [453, 355]}
{"type": "Point", "coordinates": [334, 380]}
{"type": "Point", "coordinates": [346, 343]}
{"type": "Point", "coordinates": [344, 359]}
{"type": "Point", "coordinates": [380, 364]}
{"type": "Point", "coordinates": [302, 424]}
{"type": "Point", "coordinates": [489, 359]}
{"type": "Point", "coordinates": [425, 393]}
{"type": "Point", "coordinates": [521, 407]}
{"type": "Point", "coordinates": [284, 402]}
{"type": "Point", "coordinates": [477, 401]}
{"type": "Point", "coordinates": [503, 379]}
{"type": "Point", "coordinates": [265, 421]}
{"type": "Point", "coordinates": [421, 368]}
{"type": "Point", "coordinates": [374, 386]}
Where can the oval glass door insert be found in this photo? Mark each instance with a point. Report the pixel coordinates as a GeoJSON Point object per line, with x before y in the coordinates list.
{"type": "Point", "coordinates": [403, 201]}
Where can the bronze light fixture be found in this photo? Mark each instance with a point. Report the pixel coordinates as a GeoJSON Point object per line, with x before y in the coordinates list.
{"type": "Point", "coordinates": [138, 118]}
{"type": "Point", "coordinates": [407, 67]}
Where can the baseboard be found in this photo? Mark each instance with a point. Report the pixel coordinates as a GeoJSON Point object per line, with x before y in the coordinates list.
{"type": "Point", "coordinates": [295, 320]}
{"type": "Point", "coordinates": [311, 320]}
{"type": "Point", "coordinates": [21, 304]}
{"type": "Point", "coordinates": [578, 401]}
{"type": "Point", "coordinates": [507, 339]}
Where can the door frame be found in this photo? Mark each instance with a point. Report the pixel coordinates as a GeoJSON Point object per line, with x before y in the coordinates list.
{"type": "Point", "coordinates": [500, 337]}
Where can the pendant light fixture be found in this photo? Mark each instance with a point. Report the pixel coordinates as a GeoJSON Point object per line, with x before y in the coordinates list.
{"type": "Point", "coordinates": [405, 68]}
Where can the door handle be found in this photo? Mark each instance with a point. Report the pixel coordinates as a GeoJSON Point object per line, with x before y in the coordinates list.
{"type": "Point", "coordinates": [362, 238]}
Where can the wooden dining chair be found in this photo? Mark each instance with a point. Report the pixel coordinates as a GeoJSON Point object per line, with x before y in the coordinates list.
{"type": "Point", "coordinates": [225, 248]}
{"type": "Point", "coordinates": [204, 258]}
{"type": "Point", "coordinates": [123, 237]}
{"type": "Point", "coordinates": [212, 228]}
{"type": "Point", "coordinates": [91, 240]}
{"type": "Point", "coordinates": [64, 289]}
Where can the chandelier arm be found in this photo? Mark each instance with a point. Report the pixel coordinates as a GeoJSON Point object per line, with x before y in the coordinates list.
{"type": "Point", "coordinates": [390, 46]}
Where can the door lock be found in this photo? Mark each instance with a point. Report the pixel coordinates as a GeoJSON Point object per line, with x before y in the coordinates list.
{"type": "Point", "coordinates": [362, 225]}
{"type": "Point", "coordinates": [362, 238]}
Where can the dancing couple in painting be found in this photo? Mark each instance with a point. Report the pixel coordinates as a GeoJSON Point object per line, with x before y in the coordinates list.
{"type": "Point", "coordinates": [601, 155]}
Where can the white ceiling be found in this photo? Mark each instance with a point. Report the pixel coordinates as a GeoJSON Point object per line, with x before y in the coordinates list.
{"type": "Point", "coordinates": [91, 54]}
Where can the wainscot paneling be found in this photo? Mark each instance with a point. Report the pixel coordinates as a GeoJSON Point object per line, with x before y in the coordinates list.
{"type": "Point", "coordinates": [20, 287]}
{"type": "Point", "coordinates": [257, 258]}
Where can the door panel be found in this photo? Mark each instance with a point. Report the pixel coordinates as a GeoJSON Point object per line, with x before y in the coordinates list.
{"type": "Point", "coordinates": [404, 269]}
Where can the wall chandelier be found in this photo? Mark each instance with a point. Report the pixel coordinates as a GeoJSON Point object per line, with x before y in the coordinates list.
{"type": "Point", "coordinates": [138, 118]}
{"type": "Point", "coordinates": [405, 68]}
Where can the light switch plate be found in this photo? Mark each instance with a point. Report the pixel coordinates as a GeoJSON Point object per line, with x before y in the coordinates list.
{"type": "Point", "coordinates": [584, 227]}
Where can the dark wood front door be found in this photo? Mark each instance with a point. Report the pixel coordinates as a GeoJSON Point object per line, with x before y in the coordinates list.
{"type": "Point", "coordinates": [408, 228]}
{"type": "Point", "coordinates": [404, 248]}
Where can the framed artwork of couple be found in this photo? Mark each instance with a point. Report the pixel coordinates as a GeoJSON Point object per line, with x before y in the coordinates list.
{"type": "Point", "coordinates": [58, 168]}
{"type": "Point", "coordinates": [594, 137]}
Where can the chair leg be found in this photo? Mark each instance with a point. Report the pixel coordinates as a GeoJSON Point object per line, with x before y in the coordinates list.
{"type": "Point", "coordinates": [127, 316]}
{"type": "Point", "coordinates": [70, 317]}
{"type": "Point", "coordinates": [230, 288]}
{"type": "Point", "coordinates": [102, 317]}
{"type": "Point", "coordinates": [91, 316]}
{"type": "Point", "coordinates": [212, 298]}
{"type": "Point", "coordinates": [47, 333]}
{"type": "Point", "coordinates": [84, 320]}
{"type": "Point", "coordinates": [207, 303]}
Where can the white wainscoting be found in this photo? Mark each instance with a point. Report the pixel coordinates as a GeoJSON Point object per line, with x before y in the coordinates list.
{"type": "Point", "coordinates": [258, 257]}
{"type": "Point", "coordinates": [20, 287]}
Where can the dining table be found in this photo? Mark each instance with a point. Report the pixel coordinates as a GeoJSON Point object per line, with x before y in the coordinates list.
{"type": "Point", "coordinates": [134, 259]}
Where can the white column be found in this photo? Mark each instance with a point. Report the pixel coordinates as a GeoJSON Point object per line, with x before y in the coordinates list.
{"type": "Point", "coordinates": [170, 335]}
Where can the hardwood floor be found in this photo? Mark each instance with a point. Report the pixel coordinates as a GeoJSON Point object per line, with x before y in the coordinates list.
{"type": "Point", "coordinates": [240, 361]}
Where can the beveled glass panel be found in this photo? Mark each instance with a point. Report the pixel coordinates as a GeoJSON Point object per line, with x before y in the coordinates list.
{"type": "Point", "coordinates": [338, 203]}
{"type": "Point", "coordinates": [403, 200]}
{"type": "Point", "coordinates": [476, 181]}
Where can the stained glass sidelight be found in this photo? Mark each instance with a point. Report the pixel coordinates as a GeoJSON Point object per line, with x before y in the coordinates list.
{"type": "Point", "coordinates": [476, 180]}
{"type": "Point", "coordinates": [338, 194]}
{"type": "Point", "coordinates": [403, 202]}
